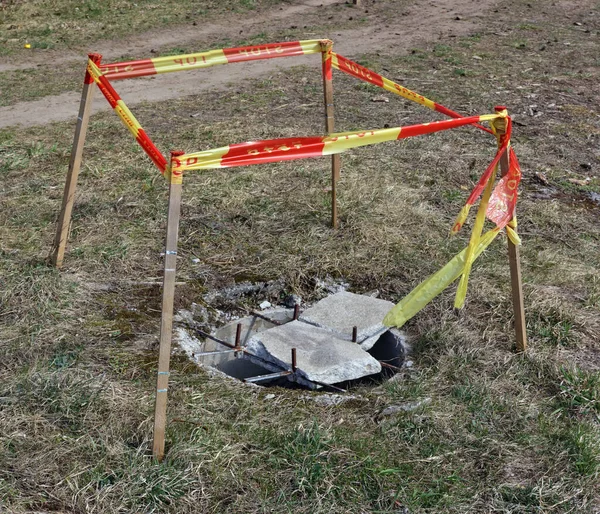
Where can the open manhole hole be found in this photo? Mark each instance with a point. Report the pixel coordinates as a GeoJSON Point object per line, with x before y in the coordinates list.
{"type": "Point", "coordinates": [338, 341]}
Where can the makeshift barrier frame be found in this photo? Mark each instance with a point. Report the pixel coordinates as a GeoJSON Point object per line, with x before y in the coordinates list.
{"type": "Point", "coordinates": [146, 67]}
{"type": "Point", "coordinates": [503, 197]}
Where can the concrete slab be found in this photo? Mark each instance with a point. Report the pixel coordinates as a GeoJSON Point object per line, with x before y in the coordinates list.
{"type": "Point", "coordinates": [340, 312]}
{"type": "Point", "coordinates": [320, 356]}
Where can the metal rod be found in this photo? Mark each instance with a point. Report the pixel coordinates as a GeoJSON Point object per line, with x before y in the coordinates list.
{"type": "Point", "coordinates": [260, 378]}
{"type": "Point", "coordinates": [354, 334]}
{"type": "Point", "coordinates": [294, 362]}
{"type": "Point", "coordinates": [238, 336]}
{"type": "Point", "coordinates": [322, 384]}
{"type": "Point", "coordinates": [391, 366]}
{"type": "Point", "coordinates": [201, 354]}
{"type": "Point", "coordinates": [258, 315]}
{"type": "Point", "coordinates": [213, 338]}
{"type": "Point", "coordinates": [296, 311]}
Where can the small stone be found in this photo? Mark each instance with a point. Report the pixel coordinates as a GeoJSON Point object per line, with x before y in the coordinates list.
{"type": "Point", "coordinates": [184, 316]}
{"type": "Point", "coordinates": [269, 396]}
{"type": "Point", "coordinates": [408, 364]}
{"type": "Point", "coordinates": [329, 400]}
{"type": "Point", "coordinates": [380, 98]}
{"type": "Point", "coordinates": [580, 182]}
{"type": "Point", "coordinates": [394, 410]}
{"type": "Point", "coordinates": [331, 285]}
{"type": "Point", "coordinates": [265, 305]}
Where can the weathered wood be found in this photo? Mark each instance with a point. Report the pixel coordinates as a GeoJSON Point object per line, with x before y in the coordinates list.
{"type": "Point", "coordinates": [513, 257]}
{"type": "Point", "coordinates": [329, 125]}
{"type": "Point", "coordinates": [64, 219]}
{"type": "Point", "coordinates": [166, 326]}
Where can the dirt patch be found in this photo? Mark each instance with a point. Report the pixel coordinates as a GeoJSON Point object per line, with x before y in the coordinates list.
{"type": "Point", "coordinates": [378, 32]}
{"type": "Point", "coordinates": [147, 42]}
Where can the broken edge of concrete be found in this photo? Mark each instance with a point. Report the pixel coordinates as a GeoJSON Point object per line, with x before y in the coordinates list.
{"type": "Point", "coordinates": [341, 312]}
{"type": "Point", "coordinates": [321, 357]}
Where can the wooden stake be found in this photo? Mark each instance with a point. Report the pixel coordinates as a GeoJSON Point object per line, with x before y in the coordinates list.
{"type": "Point", "coordinates": [64, 219]}
{"type": "Point", "coordinates": [329, 124]}
{"type": "Point", "coordinates": [513, 256]}
{"type": "Point", "coordinates": [166, 326]}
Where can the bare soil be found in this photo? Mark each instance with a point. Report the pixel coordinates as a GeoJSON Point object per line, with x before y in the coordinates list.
{"type": "Point", "coordinates": [450, 18]}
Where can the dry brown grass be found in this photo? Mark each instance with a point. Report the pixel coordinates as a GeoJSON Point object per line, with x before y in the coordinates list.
{"type": "Point", "coordinates": [503, 433]}
{"type": "Point", "coordinates": [60, 24]}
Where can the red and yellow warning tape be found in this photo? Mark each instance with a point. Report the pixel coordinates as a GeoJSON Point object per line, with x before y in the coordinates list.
{"type": "Point", "coordinates": [497, 204]}
{"type": "Point", "coordinates": [360, 72]}
{"type": "Point", "coordinates": [126, 116]}
{"type": "Point", "coordinates": [275, 150]}
{"type": "Point", "coordinates": [142, 68]}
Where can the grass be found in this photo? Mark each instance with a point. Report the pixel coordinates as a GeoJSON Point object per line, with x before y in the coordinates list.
{"type": "Point", "coordinates": [46, 78]}
{"type": "Point", "coordinates": [47, 25]}
{"type": "Point", "coordinates": [502, 432]}
{"type": "Point", "coordinates": [31, 84]}
{"type": "Point", "coordinates": [59, 24]}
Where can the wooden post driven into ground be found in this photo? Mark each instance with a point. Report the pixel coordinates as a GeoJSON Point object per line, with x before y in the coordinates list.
{"type": "Point", "coordinates": [513, 255]}
{"type": "Point", "coordinates": [166, 325]}
{"type": "Point", "coordinates": [64, 219]}
{"type": "Point", "coordinates": [329, 124]}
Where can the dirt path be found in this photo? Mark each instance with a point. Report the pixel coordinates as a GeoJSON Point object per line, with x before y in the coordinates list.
{"type": "Point", "coordinates": [411, 25]}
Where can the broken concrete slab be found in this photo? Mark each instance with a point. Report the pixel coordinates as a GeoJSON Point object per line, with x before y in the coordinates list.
{"type": "Point", "coordinates": [252, 324]}
{"type": "Point", "coordinates": [340, 312]}
{"type": "Point", "coordinates": [320, 355]}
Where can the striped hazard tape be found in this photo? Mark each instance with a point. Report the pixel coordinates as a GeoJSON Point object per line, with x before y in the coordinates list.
{"type": "Point", "coordinates": [126, 116]}
{"type": "Point", "coordinates": [145, 67]}
{"type": "Point", "coordinates": [275, 150]}
{"type": "Point", "coordinates": [360, 72]}
{"type": "Point", "coordinates": [497, 203]}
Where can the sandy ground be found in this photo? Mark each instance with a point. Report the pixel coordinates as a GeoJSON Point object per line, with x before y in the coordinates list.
{"type": "Point", "coordinates": [377, 33]}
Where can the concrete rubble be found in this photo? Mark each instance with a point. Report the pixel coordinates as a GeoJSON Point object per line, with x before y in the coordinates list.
{"type": "Point", "coordinates": [321, 357]}
{"type": "Point", "coordinates": [342, 311]}
{"type": "Point", "coordinates": [327, 350]}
